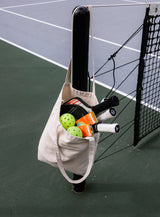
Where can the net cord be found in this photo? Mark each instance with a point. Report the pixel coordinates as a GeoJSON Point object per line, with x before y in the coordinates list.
{"type": "Point", "coordinates": [123, 5]}
{"type": "Point", "coordinates": [117, 51]}
{"type": "Point", "coordinates": [130, 123]}
{"type": "Point", "coordinates": [100, 156]}
{"type": "Point", "coordinates": [118, 67]}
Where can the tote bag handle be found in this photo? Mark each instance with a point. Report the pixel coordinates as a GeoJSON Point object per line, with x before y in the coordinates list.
{"type": "Point", "coordinates": [68, 76]}
{"type": "Point", "coordinates": [90, 163]}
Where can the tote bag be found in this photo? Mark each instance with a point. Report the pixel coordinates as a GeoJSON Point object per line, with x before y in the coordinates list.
{"type": "Point", "coordinates": [59, 148]}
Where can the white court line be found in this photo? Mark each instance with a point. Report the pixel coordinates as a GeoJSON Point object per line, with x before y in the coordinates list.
{"type": "Point", "coordinates": [133, 1]}
{"type": "Point", "coordinates": [33, 19]}
{"type": "Point", "coordinates": [116, 44]}
{"type": "Point", "coordinates": [65, 67]}
{"type": "Point", "coordinates": [33, 53]}
{"type": "Point", "coordinates": [33, 4]}
{"type": "Point", "coordinates": [60, 65]}
{"type": "Point", "coordinates": [66, 29]}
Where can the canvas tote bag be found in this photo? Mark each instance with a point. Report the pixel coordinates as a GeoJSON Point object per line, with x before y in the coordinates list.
{"type": "Point", "coordinates": [59, 148]}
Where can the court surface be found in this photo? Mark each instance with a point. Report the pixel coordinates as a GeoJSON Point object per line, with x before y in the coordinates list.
{"type": "Point", "coordinates": [125, 182]}
{"type": "Point", "coordinates": [44, 27]}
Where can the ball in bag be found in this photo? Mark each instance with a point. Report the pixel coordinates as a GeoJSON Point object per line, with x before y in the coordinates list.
{"type": "Point", "coordinates": [75, 131]}
{"type": "Point", "coordinates": [67, 120]}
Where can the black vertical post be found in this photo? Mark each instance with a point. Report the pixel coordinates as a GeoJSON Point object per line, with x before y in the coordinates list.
{"type": "Point", "coordinates": [80, 45]}
{"type": "Point", "coordinates": [140, 78]}
{"type": "Point", "coordinates": [80, 48]}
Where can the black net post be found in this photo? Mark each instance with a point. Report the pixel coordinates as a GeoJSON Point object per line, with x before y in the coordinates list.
{"type": "Point", "coordinates": [80, 46]}
{"type": "Point", "coordinates": [80, 49]}
{"type": "Point", "coordinates": [140, 77]}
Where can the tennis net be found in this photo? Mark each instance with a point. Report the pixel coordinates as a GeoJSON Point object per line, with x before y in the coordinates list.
{"type": "Point", "coordinates": [147, 112]}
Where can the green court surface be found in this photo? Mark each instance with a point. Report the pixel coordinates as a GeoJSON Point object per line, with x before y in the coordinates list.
{"type": "Point", "coordinates": [124, 184]}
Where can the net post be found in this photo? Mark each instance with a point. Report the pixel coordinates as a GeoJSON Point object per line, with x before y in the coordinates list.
{"type": "Point", "coordinates": [80, 47]}
{"type": "Point", "coordinates": [140, 78]}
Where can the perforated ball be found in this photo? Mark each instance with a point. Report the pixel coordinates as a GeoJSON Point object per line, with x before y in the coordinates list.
{"type": "Point", "coordinates": [75, 131]}
{"type": "Point", "coordinates": [67, 120]}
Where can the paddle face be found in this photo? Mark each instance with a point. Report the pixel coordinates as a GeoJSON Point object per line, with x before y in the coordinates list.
{"type": "Point", "coordinates": [79, 108]}
{"type": "Point", "coordinates": [79, 102]}
{"type": "Point", "coordinates": [84, 117]}
{"type": "Point", "coordinates": [75, 110]}
{"type": "Point", "coordinates": [106, 104]}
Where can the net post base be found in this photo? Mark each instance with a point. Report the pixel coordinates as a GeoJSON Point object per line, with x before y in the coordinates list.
{"type": "Point", "coordinates": [79, 188]}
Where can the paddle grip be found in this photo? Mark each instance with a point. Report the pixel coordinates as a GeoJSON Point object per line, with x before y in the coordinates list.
{"type": "Point", "coordinates": [110, 128]}
{"type": "Point", "coordinates": [106, 104]}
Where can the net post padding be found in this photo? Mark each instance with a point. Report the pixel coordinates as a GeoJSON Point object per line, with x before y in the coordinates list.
{"type": "Point", "coordinates": [80, 47]}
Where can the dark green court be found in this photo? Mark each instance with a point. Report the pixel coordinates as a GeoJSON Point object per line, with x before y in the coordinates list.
{"type": "Point", "coordinates": [126, 183]}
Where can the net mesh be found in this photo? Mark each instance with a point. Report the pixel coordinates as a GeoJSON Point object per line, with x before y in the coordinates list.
{"type": "Point", "coordinates": [147, 116]}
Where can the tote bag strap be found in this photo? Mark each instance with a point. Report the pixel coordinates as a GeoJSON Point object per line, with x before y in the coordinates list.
{"type": "Point", "coordinates": [90, 163]}
{"type": "Point", "coordinates": [68, 76]}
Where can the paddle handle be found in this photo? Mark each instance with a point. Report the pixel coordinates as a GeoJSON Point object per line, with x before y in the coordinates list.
{"type": "Point", "coordinates": [106, 104]}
